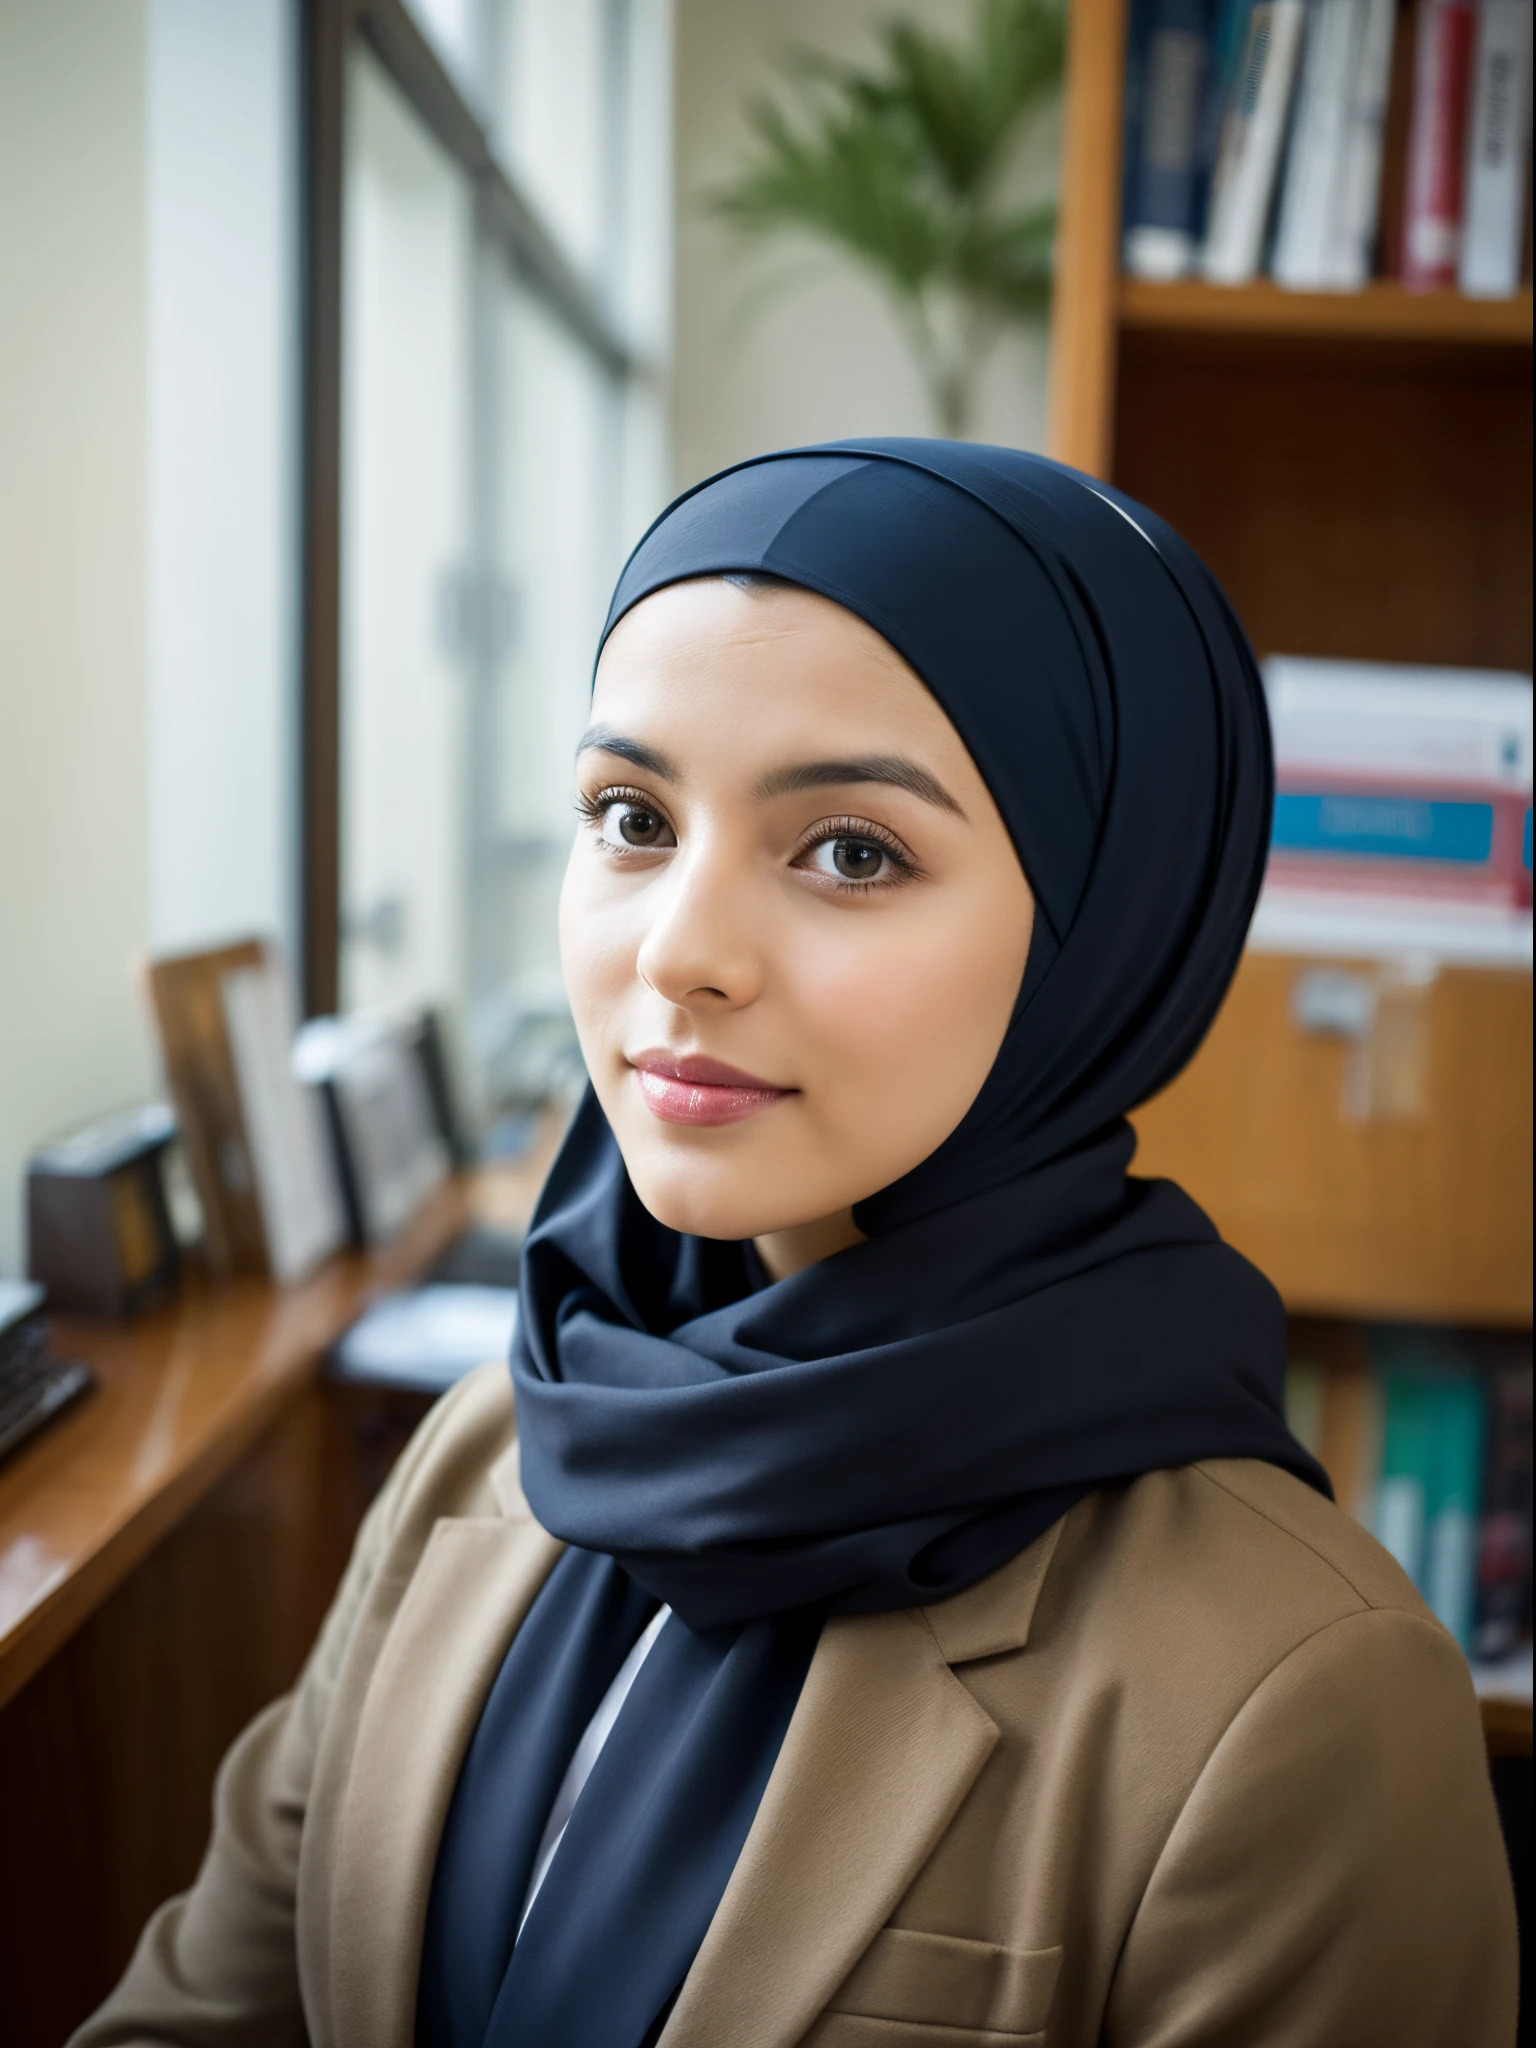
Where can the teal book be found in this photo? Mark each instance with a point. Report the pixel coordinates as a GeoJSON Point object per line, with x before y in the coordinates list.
{"type": "Point", "coordinates": [1428, 1496]}
{"type": "Point", "coordinates": [1400, 1510]}
{"type": "Point", "coordinates": [1449, 1583]}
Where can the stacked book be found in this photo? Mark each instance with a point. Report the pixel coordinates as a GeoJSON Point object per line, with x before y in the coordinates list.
{"type": "Point", "coordinates": [1328, 141]}
{"type": "Point", "coordinates": [1426, 1435]}
{"type": "Point", "coordinates": [1402, 812]}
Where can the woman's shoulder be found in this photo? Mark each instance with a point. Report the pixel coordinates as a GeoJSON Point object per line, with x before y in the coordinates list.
{"type": "Point", "coordinates": [1304, 1538]}
{"type": "Point", "coordinates": [1181, 1594]}
{"type": "Point", "coordinates": [1236, 1547]}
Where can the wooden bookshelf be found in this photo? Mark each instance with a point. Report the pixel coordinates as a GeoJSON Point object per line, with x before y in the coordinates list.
{"type": "Point", "coordinates": [1356, 469]}
{"type": "Point", "coordinates": [1384, 311]}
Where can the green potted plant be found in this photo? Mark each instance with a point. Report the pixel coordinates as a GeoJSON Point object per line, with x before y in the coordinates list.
{"type": "Point", "coordinates": [903, 166]}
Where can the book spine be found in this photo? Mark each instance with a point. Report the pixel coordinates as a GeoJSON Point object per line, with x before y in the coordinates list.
{"type": "Point", "coordinates": [1160, 223]}
{"type": "Point", "coordinates": [1229, 40]}
{"type": "Point", "coordinates": [1437, 144]}
{"type": "Point", "coordinates": [1495, 173]}
{"type": "Point", "coordinates": [1253, 133]}
{"type": "Point", "coordinates": [1351, 242]}
{"type": "Point", "coordinates": [1506, 1526]}
{"type": "Point", "coordinates": [1504, 1536]}
{"type": "Point", "coordinates": [1137, 34]}
{"type": "Point", "coordinates": [1401, 1506]}
{"type": "Point", "coordinates": [1449, 1581]}
{"type": "Point", "coordinates": [1306, 1386]}
{"type": "Point", "coordinates": [1451, 848]}
{"type": "Point", "coordinates": [1314, 168]}
{"type": "Point", "coordinates": [1351, 1426]}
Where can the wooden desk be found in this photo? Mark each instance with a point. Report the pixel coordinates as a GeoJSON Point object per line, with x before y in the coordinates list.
{"type": "Point", "coordinates": [167, 1551]}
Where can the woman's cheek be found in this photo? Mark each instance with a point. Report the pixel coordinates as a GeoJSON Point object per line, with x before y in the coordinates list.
{"type": "Point", "coordinates": [599, 939]}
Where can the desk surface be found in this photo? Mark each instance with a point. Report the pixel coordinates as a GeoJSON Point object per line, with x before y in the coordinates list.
{"type": "Point", "coordinates": [183, 1392]}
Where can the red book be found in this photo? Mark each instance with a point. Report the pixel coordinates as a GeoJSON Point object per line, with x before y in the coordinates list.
{"type": "Point", "coordinates": [1437, 143]}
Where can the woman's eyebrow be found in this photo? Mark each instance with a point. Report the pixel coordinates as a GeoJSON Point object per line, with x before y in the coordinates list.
{"type": "Point", "coordinates": [604, 739]}
{"type": "Point", "coordinates": [893, 769]}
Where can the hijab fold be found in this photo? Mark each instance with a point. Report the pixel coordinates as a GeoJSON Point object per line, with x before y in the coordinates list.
{"type": "Point", "coordinates": [1026, 1320]}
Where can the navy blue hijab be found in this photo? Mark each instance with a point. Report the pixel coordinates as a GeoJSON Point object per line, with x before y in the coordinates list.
{"type": "Point", "coordinates": [1025, 1322]}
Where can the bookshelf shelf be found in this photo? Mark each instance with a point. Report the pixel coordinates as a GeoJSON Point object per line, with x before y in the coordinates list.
{"type": "Point", "coordinates": [1384, 311]}
{"type": "Point", "coordinates": [1356, 469]}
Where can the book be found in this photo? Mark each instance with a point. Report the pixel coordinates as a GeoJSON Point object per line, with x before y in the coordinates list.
{"type": "Point", "coordinates": [1498, 130]}
{"type": "Point", "coordinates": [1394, 141]}
{"type": "Point", "coordinates": [1449, 1580]}
{"type": "Point", "coordinates": [1227, 46]}
{"type": "Point", "coordinates": [1503, 1613]}
{"type": "Point", "coordinates": [388, 1146]}
{"type": "Point", "coordinates": [1399, 1506]}
{"type": "Point", "coordinates": [1401, 792]}
{"type": "Point", "coordinates": [253, 1140]}
{"type": "Point", "coordinates": [1164, 188]}
{"type": "Point", "coordinates": [302, 1220]}
{"type": "Point", "coordinates": [1306, 1382]}
{"type": "Point", "coordinates": [1437, 140]}
{"type": "Point", "coordinates": [1312, 187]}
{"type": "Point", "coordinates": [1351, 247]}
{"type": "Point", "coordinates": [1425, 1433]}
{"type": "Point", "coordinates": [1350, 1447]}
{"type": "Point", "coordinates": [1252, 136]}
{"type": "Point", "coordinates": [1428, 1496]}
{"type": "Point", "coordinates": [1350, 1420]}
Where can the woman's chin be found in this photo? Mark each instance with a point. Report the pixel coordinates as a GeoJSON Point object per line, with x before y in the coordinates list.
{"type": "Point", "coordinates": [697, 1202]}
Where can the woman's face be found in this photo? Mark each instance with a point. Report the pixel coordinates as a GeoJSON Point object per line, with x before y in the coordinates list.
{"type": "Point", "coordinates": [793, 925]}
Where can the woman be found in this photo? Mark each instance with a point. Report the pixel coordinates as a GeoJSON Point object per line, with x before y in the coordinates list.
{"type": "Point", "coordinates": [913, 1623]}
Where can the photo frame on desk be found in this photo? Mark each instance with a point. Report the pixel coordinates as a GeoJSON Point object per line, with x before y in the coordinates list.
{"type": "Point", "coordinates": [390, 1147]}
{"type": "Point", "coordinates": [254, 1136]}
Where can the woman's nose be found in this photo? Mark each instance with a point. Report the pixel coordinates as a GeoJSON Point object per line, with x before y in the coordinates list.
{"type": "Point", "coordinates": [700, 951]}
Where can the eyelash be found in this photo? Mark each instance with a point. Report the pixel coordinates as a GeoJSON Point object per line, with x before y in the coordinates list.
{"type": "Point", "coordinates": [593, 809]}
{"type": "Point", "coordinates": [906, 867]}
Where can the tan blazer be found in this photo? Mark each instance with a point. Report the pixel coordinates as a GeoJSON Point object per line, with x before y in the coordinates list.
{"type": "Point", "coordinates": [1198, 1767]}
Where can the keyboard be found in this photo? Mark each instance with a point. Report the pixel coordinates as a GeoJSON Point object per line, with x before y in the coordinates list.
{"type": "Point", "coordinates": [34, 1387]}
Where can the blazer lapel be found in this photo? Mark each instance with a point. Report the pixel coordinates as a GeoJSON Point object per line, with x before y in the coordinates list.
{"type": "Point", "coordinates": [475, 1582]}
{"type": "Point", "coordinates": [884, 1745]}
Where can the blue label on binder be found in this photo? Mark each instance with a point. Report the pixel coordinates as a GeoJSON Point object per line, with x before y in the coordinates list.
{"type": "Point", "coordinates": [1384, 826]}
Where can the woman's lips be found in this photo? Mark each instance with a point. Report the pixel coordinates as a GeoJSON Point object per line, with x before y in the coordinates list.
{"type": "Point", "coordinates": [694, 1090]}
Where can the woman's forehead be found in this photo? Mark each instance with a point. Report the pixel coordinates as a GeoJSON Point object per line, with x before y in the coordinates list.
{"type": "Point", "coordinates": [760, 657]}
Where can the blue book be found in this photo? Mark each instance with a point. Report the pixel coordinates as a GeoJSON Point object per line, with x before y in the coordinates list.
{"type": "Point", "coordinates": [1165, 170]}
{"type": "Point", "coordinates": [1383, 825]}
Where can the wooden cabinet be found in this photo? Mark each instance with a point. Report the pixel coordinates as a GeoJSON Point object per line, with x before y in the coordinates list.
{"type": "Point", "coordinates": [1356, 469]}
{"type": "Point", "coordinates": [1382, 1175]}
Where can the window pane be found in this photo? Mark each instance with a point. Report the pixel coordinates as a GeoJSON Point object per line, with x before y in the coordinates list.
{"type": "Point", "coordinates": [406, 370]}
{"type": "Point", "coordinates": [557, 547]}
{"type": "Point", "coordinates": [451, 28]}
{"type": "Point", "coordinates": [552, 120]}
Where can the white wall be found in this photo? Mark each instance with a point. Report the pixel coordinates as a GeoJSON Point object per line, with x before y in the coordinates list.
{"type": "Point", "coordinates": [147, 364]}
{"type": "Point", "coordinates": [824, 360]}
{"type": "Point", "coordinates": [223, 325]}
{"type": "Point", "coordinates": [73, 886]}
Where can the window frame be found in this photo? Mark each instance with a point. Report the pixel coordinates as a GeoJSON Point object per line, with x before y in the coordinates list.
{"type": "Point", "coordinates": [511, 225]}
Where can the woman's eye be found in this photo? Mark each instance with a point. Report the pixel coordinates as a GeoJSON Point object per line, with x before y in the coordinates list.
{"type": "Point", "coordinates": [850, 859]}
{"type": "Point", "coordinates": [629, 824]}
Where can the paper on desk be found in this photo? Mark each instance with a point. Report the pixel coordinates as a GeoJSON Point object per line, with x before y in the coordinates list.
{"type": "Point", "coordinates": [428, 1338]}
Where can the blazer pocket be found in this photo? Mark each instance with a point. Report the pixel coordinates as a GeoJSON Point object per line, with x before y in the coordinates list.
{"type": "Point", "coordinates": [942, 1981]}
